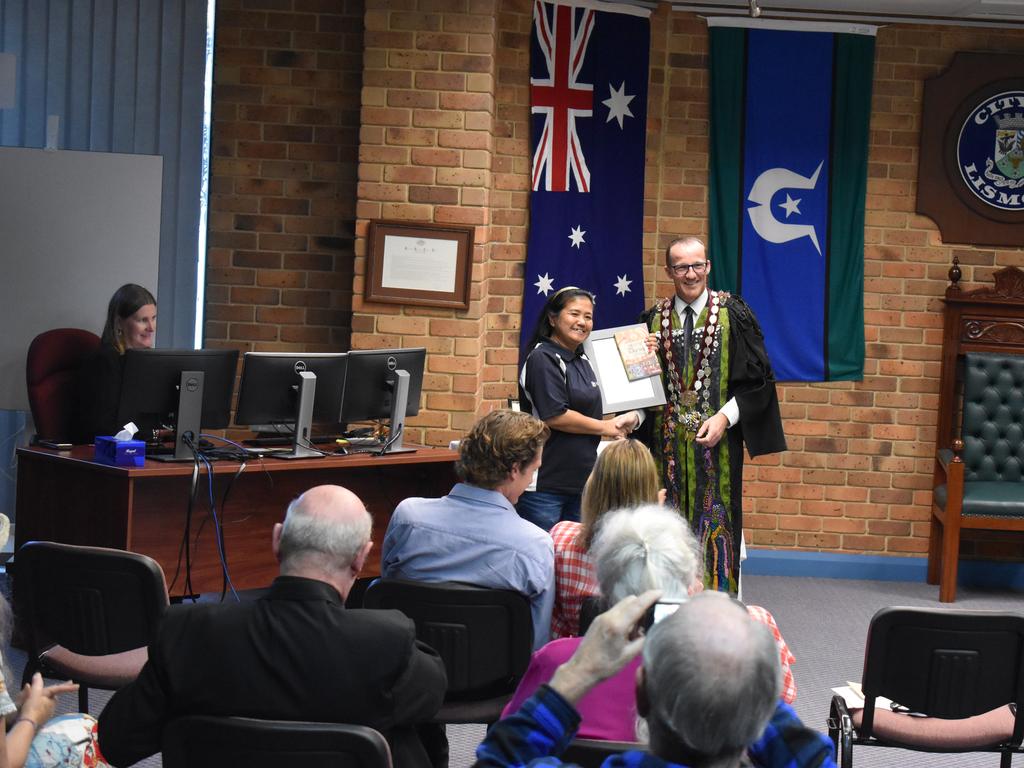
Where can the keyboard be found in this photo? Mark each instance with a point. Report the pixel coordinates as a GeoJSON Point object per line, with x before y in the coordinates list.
{"type": "Point", "coordinates": [286, 440]}
{"type": "Point", "coordinates": [363, 442]}
{"type": "Point", "coordinates": [167, 449]}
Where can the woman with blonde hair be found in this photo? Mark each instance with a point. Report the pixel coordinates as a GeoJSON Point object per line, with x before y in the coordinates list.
{"type": "Point", "coordinates": [624, 476]}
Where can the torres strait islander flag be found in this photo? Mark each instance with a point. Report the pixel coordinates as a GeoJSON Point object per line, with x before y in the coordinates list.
{"type": "Point", "coordinates": [790, 106]}
{"type": "Point", "coordinates": [588, 98]}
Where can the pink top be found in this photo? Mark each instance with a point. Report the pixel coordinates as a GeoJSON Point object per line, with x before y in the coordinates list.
{"type": "Point", "coordinates": [609, 710]}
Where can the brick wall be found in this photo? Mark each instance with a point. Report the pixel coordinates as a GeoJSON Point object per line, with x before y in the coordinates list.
{"type": "Point", "coordinates": [857, 475]}
{"type": "Point", "coordinates": [283, 173]}
{"type": "Point", "coordinates": [426, 146]}
{"type": "Point", "coordinates": [444, 138]}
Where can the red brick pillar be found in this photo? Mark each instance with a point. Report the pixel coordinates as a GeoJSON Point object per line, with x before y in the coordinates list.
{"type": "Point", "coordinates": [426, 148]}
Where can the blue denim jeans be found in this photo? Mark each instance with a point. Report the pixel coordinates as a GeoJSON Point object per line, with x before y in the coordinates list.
{"type": "Point", "coordinates": [544, 509]}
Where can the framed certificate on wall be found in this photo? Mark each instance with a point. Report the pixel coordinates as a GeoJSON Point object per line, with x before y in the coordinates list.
{"type": "Point", "coordinates": [417, 263]}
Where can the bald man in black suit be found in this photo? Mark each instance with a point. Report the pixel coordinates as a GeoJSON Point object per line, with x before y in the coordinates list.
{"type": "Point", "coordinates": [294, 654]}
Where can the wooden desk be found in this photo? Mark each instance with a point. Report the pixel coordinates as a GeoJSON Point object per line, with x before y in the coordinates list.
{"type": "Point", "coordinates": [69, 498]}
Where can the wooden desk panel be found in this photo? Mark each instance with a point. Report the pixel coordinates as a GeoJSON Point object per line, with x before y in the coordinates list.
{"type": "Point", "coordinates": [67, 497]}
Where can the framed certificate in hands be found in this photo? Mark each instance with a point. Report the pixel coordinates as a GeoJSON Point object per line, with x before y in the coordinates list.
{"type": "Point", "coordinates": [618, 391]}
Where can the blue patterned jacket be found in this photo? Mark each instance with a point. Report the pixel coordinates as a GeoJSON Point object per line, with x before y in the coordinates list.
{"type": "Point", "coordinates": [546, 723]}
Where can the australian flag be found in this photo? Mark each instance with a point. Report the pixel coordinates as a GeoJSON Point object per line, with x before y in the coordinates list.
{"type": "Point", "coordinates": [588, 98]}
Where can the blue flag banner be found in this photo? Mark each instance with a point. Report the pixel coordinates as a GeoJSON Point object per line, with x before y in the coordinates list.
{"type": "Point", "coordinates": [789, 126]}
{"type": "Point", "coordinates": [588, 99]}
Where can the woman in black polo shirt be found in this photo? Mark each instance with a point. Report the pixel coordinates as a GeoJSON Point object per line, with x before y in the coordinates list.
{"type": "Point", "coordinates": [558, 386]}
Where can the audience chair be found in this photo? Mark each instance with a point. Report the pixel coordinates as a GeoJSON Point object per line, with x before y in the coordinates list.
{"type": "Point", "coordinates": [484, 636]}
{"type": "Point", "coordinates": [87, 613]}
{"type": "Point", "coordinates": [953, 677]}
{"type": "Point", "coordinates": [979, 475]}
{"type": "Point", "coordinates": [359, 587]}
{"type": "Point", "coordinates": [591, 753]}
{"type": "Point", "coordinates": [205, 741]}
{"type": "Point", "coordinates": [51, 372]}
{"type": "Point", "coordinates": [591, 607]}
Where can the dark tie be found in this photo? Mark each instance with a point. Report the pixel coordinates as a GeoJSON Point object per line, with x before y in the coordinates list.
{"type": "Point", "coordinates": [688, 329]}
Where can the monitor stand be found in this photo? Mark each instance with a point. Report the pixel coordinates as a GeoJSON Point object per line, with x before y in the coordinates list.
{"type": "Point", "coordinates": [399, 400]}
{"type": "Point", "coordinates": [188, 417]}
{"type": "Point", "coordinates": [303, 421]}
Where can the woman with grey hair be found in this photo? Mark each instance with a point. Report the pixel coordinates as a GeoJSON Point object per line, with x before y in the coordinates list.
{"type": "Point", "coordinates": [647, 547]}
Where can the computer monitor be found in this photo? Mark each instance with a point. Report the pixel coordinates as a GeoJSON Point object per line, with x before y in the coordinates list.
{"type": "Point", "coordinates": [294, 389]}
{"type": "Point", "coordinates": [187, 388]}
{"type": "Point", "coordinates": [384, 384]}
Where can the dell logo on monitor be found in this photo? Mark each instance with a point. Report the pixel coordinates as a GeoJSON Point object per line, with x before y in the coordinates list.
{"type": "Point", "coordinates": [392, 362]}
{"type": "Point", "coordinates": [300, 366]}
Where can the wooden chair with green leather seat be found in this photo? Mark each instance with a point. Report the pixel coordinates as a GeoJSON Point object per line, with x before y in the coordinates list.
{"type": "Point", "coordinates": [979, 475]}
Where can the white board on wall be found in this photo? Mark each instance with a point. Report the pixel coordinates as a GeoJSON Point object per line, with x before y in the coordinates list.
{"type": "Point", "coordinates": [74, 226]}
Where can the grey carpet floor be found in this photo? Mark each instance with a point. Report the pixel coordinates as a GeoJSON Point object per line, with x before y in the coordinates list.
{"type": "Point", "coordinates": [825, 623]}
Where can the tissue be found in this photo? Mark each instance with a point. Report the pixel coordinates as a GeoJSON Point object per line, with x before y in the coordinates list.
{"type": "Point", "coordinates": [127, 432]}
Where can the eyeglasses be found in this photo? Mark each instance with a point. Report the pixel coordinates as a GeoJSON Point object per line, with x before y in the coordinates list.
{"type": "Point", "coordinates": [682, 269]}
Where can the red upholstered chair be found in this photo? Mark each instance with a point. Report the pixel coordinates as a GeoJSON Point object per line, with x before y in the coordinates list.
{"type": "Point", "coordinates": [54, 358]}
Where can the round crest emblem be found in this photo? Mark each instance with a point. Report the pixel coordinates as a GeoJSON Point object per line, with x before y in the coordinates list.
{"type": "Point", "coordinates": [990, 150]}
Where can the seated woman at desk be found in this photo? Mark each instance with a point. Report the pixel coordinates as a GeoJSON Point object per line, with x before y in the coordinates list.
{"type": "Point", "coordinates": [131, 324]}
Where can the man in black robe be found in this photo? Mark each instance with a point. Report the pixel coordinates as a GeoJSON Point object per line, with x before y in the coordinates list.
{"type": "Point", "coordinates": [719, 383]}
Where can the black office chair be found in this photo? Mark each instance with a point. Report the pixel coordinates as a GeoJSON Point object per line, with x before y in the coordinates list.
{"type": "Point", "coordinates": [591, 607]}
{"type": "Point", "coordinates": [484, 636]}
{"type": "Point", "coordinates": [960, 672]}
{"type": "Point", "coordinates": [204, 741]}
{"type": "Point", "coordinates": [358, 590]}
{"type": "Point", "coordinates": [87, 613]}
{"type": "Point", "coordinates": [591, 753]}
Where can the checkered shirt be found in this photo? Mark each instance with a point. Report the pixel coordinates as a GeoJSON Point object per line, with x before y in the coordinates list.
{"type": "Point", "coordinates": [786, 656]}
{"type": "Point", "coordinates": [574, 580]}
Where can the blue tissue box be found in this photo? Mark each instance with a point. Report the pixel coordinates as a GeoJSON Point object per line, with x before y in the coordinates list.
{"type": "Point", "coordinates": [120, 453]}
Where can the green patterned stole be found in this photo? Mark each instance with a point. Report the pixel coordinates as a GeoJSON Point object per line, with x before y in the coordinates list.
{"type": "Point", "coordinates": [697, 478]}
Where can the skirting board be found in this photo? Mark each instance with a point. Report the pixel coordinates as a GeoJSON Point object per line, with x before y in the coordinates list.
{"type": "Point", "coordinates": [831, 565]}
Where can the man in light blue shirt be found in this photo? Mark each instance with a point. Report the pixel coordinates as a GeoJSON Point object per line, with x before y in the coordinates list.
{"type": "Point", "coordinates": [474, 535]}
